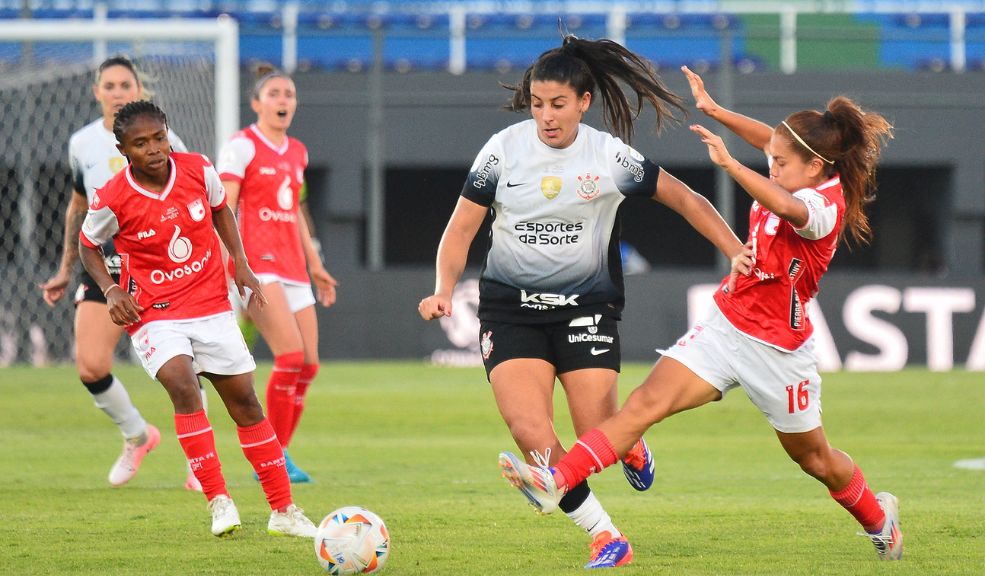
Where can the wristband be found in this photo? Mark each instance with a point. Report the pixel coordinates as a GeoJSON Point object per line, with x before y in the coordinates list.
{"type": "Point", "coordinates": [110, 287]}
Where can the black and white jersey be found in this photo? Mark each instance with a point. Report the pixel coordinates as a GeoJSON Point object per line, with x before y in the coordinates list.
{"type": "Point", "coordinates": [94, 159]}
{"type": "Point", "coordinates": [554, 244]}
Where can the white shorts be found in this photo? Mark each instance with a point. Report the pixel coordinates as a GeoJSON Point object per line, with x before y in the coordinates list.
{"type": "Point", "coordinates": [785, 386]}
{"type": "Point", "coordinates": [214, 343]}
{"type": "Point", "coordinates": [299, 296]}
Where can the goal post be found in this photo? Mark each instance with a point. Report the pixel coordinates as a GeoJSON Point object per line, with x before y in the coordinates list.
{"type": "Point", "coordinates": [223, 32]}
{"type": "Point", "coordinates": [47, 69]}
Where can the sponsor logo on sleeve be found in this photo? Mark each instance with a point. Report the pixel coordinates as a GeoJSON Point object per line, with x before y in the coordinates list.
{"type": "Point", "coordinates": [631, 165]}
{"type": "Point", "coordinates": [483, 174]}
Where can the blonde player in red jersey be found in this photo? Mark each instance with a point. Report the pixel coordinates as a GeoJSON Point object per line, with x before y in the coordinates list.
{"type": "Point", "coordinates": [759, 333]}
{"type": "Point", "coordinates": [163, 212]}
{"type": "Point", "coordinates": [262, 170]}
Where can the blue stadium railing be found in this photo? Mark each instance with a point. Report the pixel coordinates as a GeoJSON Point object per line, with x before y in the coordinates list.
{"type": "Point", "coordinates": [417, 35]}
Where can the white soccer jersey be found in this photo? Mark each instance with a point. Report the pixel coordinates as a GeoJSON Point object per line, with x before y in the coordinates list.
{"type": "Point", "coordinates": [554, 246]}
{"type": "Point", "coordinates": [94, 158]}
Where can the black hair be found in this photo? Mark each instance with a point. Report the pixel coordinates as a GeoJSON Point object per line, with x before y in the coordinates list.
{"type": "Point", "coordinates": [125, 117]}
{"type": "Point", "coordinates": [119, 60]}
{"type": "Point", "coordinates": [589, 64]}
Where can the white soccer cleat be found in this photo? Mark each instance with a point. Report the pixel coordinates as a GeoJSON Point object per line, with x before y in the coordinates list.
{"type": "Point", "coordinates": [536, 482]}
{"type": "Point", "coordinates": [126, 466]}
{"type": "Point", "coordinates": [225, 517]}
{"type": "Point", "coordinates": [889, 540]}
{"type": "Point", "coordinates": [291, 522]}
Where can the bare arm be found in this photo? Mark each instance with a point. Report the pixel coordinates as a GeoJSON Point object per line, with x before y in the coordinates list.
{"type": "Point", "coordinates": [698, 211]}
{"type": "Point", "coordinates": [756, 133]}
{"type": "Point", "coordinates": [453, 253]}
{"type": "Point", "coordinates": [123, 309]}
{"type": "Point", "coordinates": [54, 289]}
{"type": "Point", "coordinates": [225, 225]}
{"type": "Point", "coordinates": [770, 195]}
{"type": "Point", "coordinates": [324, 282]}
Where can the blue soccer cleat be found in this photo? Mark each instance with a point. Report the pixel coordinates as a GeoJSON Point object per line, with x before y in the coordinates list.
{"type": "Point", "coordinates": [638, 466]}
{"type": "Point", "coordinates": [609, 552]}
{"type": "Point", "coordinates": [295, 474]}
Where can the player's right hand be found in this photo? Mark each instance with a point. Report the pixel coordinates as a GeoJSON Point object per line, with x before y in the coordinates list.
{"type": "Point", "coordinates": [702, 101]}
{"type": "Point", "coordinates": [54, 289]}
{"type": "Point", "coordinates": [123, 308]}
{"type": "Point", "coordinates": [742, 263]}
{"type": "Point", "coordinates": [434, 306]}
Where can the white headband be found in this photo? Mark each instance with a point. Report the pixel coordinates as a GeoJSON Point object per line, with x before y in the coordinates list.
{"type": "Point", "coordinates": [804, 144]}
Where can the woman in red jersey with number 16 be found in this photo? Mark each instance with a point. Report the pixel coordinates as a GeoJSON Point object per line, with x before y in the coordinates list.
{"type": "Point", "coordinates": [163, 213]}
{"type": "Point", "coordinates": [262, 170]}
{"type": "Point", "coordinates": [759, 334]}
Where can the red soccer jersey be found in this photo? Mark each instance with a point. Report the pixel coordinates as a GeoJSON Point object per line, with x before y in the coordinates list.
{"type": "Point", "coordinates": [270, 180]}
{"type": "Point", "coordinates": [169, 251]}
{"type": "Point", "coordinates": [770, 304]}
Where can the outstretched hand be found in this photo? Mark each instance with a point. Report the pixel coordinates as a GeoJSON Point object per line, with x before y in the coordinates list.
{"type": "Point", "coordinates": [434, 306]}
{"type": "Point", "coordinates": [702, 101]}
{"type": "Point", "coordinates": [717, 151]}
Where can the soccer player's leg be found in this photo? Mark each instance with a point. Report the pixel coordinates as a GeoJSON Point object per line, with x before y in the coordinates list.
{"type": "Point", "coordinates": [96, 337]}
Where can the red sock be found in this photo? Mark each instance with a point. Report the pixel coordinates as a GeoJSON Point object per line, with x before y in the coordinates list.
{"type": "Point", "coordinates": [281, 391]}
{"type": "Point", "coordinates": [591, 453]}
{"type": "Point", "coordinates": [264, 452]}
{"type": "Point", "coordinates": [198, 442]}
{"type": "Point", "coordinates": [308, 372]}
{"type": "Point", "coordinates": [860, 502]}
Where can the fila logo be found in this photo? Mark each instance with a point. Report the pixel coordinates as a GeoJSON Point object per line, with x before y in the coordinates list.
{"type": "Point", "coordinates": [146, 234]}
{"type": "Point", "coordinates": [267, 171]}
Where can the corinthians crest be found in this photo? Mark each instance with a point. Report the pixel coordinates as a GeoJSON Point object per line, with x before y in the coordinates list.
{"type": "Point", "coordinates": [588, 186]}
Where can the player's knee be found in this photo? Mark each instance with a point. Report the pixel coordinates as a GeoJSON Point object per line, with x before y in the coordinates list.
{"type": "Point", "coordinates": [91, 371]}
{"type": "Point", "coordinates": [814, 463]}
{"type": "Point", "coordinates": [309, 371]}
{"type": "Point", "coordinates": [530, 434]}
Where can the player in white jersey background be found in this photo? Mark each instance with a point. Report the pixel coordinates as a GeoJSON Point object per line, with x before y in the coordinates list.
{"type": "Point", "coordinates": [759, 335]}
{"type": "Point", "coordinates": [262, 170]}
{"type": "Point", "coordinates": [167, 213]}
{"type": "Point", "coordinates": [94, 159]}
{"type": "Point", "coordinates": [551, 289]}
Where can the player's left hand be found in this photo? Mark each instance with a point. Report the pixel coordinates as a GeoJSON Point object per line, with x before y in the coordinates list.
{"type": "Point", "coordinates": [325, 285]}
{"type": "Point", "coordinates": [717, 151]}
{"type": "Point", "coordinates": [246, 279]}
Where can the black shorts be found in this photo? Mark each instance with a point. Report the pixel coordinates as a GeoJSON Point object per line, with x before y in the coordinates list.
{"type": "Point", "coordinates": [585, 342]}
{"type": "Point", "coordinates": [88, 290]}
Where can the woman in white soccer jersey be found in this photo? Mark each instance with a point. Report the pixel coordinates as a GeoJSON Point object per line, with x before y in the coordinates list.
{"type": "Point", "coordinates": [163, 212]}
{"type": "Point", "coordinates": [551, 289]}
{"type": "Point", "coordinates": [94, 159]}
{"type": "Point", "coordinates": [262, 169]}
{"type": "Point", "coordinates": [759, 333]}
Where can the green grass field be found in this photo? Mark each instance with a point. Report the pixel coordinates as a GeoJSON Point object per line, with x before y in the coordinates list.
{"type": "Point", "coordinates": [418, 445]}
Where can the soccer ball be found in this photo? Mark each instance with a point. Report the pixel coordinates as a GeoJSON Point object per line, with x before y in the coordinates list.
{"type": "Point", "coordinates": [352, 540]}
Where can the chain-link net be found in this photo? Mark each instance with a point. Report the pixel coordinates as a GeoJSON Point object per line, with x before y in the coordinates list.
{"type": "Point", "coordinates": [45, 96]}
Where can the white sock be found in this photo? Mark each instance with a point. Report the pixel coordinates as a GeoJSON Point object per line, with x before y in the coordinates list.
{"type": "Point", "coordinates": [205, 397]}
{"type": "Point", "coordinates": [593, 518]}
{"type": "Point", "coordinates": [115, 402]}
